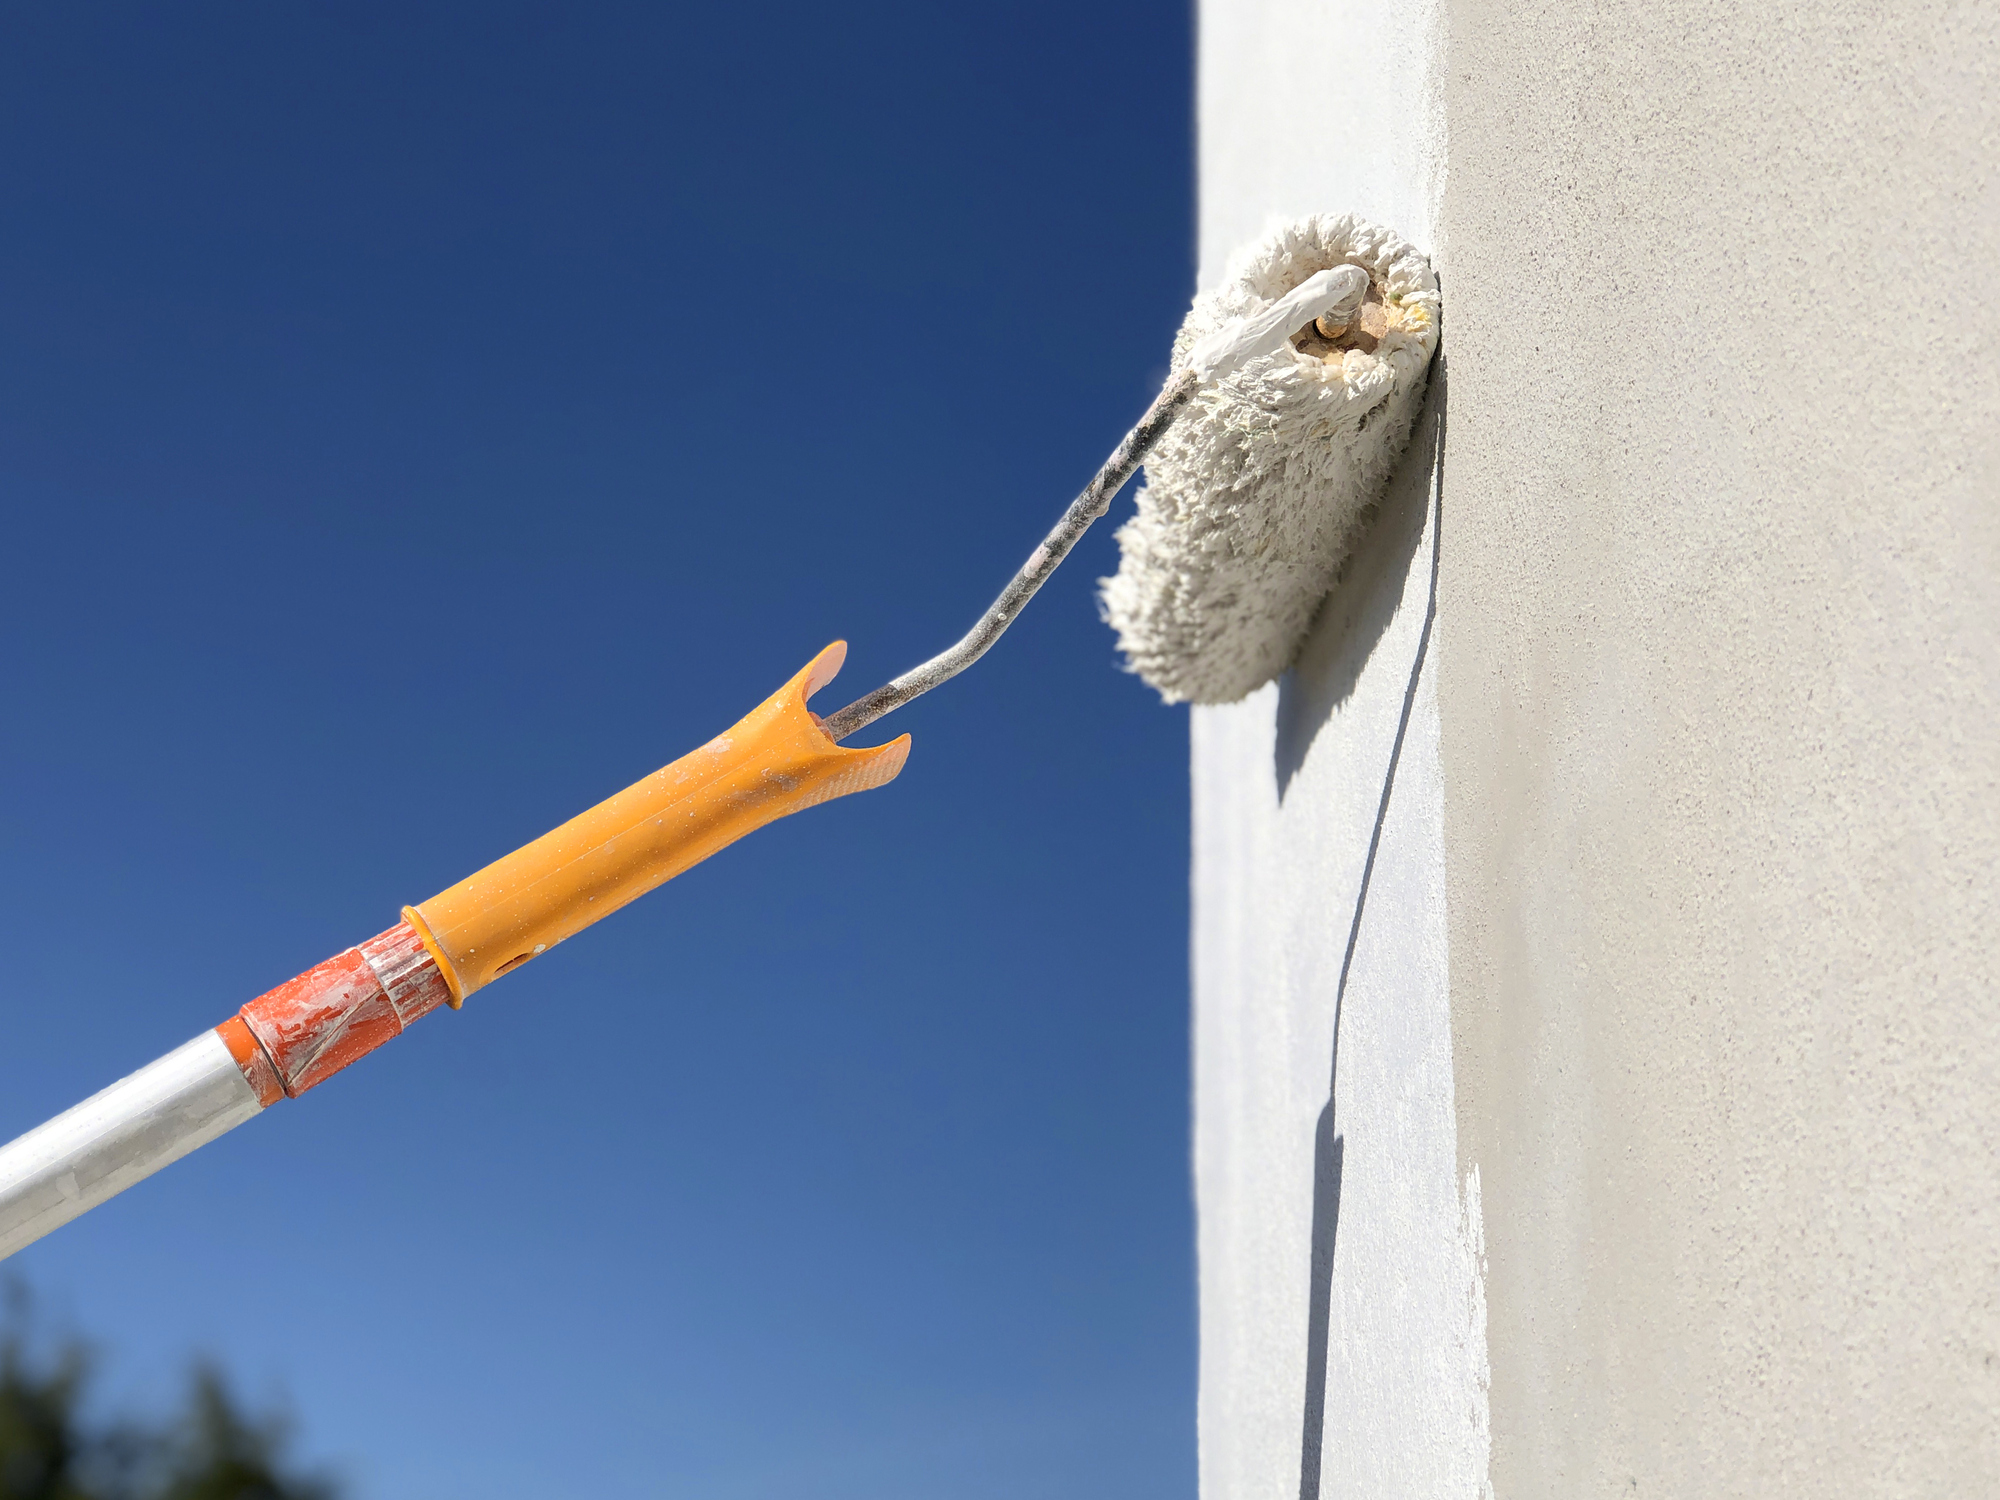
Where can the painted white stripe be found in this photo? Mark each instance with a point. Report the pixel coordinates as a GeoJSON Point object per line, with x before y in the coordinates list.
{"type": "Point", "coordinates": [1343, 1318]}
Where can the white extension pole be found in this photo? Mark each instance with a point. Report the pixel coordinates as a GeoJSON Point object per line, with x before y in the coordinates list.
{"type": "Point", "coordinates": [118, 1136]}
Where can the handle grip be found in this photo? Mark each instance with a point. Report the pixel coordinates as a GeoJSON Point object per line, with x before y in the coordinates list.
{"type": "Point", "coordinates": [776, 760]}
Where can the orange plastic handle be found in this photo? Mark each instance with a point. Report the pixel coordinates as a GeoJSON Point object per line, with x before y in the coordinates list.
{"type": "Point", "coordinates": [776, 761]}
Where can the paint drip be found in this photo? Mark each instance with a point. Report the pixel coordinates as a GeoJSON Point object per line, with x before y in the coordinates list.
{"type": "Point", "coordinates": [1256, 496]}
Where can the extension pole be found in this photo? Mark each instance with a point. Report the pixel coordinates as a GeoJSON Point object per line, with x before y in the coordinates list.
{"type": "Point", "coordinates": [776, 761]}
{"type": "Point", "coordinates": [779, 759]}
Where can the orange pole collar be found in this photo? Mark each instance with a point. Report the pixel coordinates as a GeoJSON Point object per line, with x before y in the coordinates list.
{"type": "Point", "coordinates": [776, 760]}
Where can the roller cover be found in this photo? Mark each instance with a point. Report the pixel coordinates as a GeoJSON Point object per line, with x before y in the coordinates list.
{"type": "Point", "coordinates": [1254, 497]}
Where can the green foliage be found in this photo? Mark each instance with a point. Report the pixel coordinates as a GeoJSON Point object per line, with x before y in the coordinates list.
{"type": "Point", "coordinates": [51, 1450]}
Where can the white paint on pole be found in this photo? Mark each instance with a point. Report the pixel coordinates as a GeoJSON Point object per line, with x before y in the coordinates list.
{"type": "Point", "coordinates": [1338, 290]}
{"type": "Point", "coordinates": [119, 1136]}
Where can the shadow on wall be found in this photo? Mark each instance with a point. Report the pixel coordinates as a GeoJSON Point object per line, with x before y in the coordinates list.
{"type": "Point", "coordinates": [1357, 611]}
{"type": "Point", "coordinates": [1350, 625]}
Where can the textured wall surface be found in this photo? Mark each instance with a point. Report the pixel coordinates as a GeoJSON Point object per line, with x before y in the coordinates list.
{"type": "Point", "coordinates": [1668, 1087]}
{"type": "Point", "coordinates": [1720, 701]}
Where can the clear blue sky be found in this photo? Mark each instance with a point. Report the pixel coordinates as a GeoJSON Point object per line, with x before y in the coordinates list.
{"type": "Point", "coordinates": [421, 421]}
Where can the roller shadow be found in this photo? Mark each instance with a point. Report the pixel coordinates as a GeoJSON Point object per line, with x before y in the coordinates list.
{"type": "Point", "coordinates": [1364, 599]}
{"type": "Point", "coordinates": [1421, 482]}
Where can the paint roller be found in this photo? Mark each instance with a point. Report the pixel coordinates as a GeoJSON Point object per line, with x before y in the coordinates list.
{"type": "Point", "coordinates": [1292, 390]}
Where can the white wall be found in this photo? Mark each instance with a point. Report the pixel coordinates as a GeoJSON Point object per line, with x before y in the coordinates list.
{"type": "Point", "coordinates": [1367, 1363]}
{"type": "Point", "coordinates": [1675, 985]}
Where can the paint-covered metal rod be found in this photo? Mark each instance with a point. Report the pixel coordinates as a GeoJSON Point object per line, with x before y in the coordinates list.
{"type": "Point", "coordinates": [1086, 508]}
{"type": "Point", "coordinates": [1333, 294]}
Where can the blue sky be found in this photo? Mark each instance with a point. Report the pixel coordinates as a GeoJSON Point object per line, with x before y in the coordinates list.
{"type": "Point", "coordinates": [418, 422]}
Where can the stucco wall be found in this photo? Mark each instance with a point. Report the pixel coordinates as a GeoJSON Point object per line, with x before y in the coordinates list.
{"type": "Point", "coordinates": [1674, 986]}
{"type": "Point", "coordinates": [1720, 704]}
